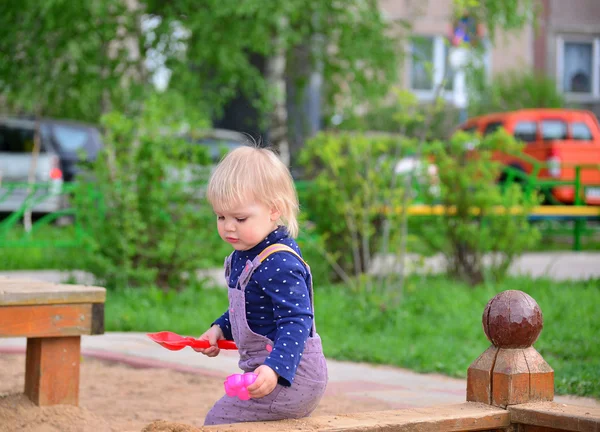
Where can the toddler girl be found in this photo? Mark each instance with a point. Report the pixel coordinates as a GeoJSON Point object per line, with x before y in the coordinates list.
{"type": "Point", "coordinates": [271, 299]}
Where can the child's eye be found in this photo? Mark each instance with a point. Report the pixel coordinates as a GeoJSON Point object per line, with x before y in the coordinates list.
{"type": "Point", "coordinates": [240, 219]}
{"type": "Point", "coordinates": [220, 217]}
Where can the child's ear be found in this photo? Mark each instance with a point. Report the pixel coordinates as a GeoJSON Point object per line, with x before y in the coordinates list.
{"type": "Point", "coordinates": [275, 214]}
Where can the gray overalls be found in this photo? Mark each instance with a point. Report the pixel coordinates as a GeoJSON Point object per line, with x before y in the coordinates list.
{"type": "Point", "coordinates": [296, 401]}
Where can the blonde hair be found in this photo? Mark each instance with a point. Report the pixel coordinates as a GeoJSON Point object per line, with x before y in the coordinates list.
{"type": "Point", "coordinates": [251, 172]}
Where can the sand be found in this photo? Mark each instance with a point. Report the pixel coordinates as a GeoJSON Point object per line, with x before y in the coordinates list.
{"type": "Point", "coordinates": [116, 397]}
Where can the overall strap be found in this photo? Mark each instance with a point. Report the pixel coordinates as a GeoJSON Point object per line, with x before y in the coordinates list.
{"type": "Point", "coordinates": [227, 266]}
{"type": "Point", "coordinates": [279, 247]}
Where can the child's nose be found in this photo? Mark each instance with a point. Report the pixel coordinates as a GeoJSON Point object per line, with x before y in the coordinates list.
{"type": "Point", "coordinates": [229, 226]}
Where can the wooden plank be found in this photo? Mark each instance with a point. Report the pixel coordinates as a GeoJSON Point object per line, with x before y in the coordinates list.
{"type": "Point", "coordinates": [528, 428]}
{"type": "Point", "coordinates": [52, 370]}
{"type": "Point", "coordinates": [461, 417]}
{"type": "Point", "coordinates": [46, 320]}
{"type": "Point", "coordinates": [558, 416]}
{"type": "Point", "coordinates": [31, 292]}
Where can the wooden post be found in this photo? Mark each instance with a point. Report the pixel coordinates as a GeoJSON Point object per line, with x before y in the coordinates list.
{"type": "Point", "coordinates": [511, 371]}
{"type": "Point", "coordinates": [52, 370]}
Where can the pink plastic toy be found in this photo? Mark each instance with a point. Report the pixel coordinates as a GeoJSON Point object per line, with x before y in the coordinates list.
{"type": "Point", "coordinates": [237, 385]}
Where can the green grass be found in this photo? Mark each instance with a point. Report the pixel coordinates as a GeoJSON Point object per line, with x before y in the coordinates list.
{"type": "Point", "coordinates": [40, 252]}
{"type": "Point", "coordinates": [436, 328]}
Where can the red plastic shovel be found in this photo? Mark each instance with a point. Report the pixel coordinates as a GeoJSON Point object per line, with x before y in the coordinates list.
{"type": "Point", "coordinates": [174, 342]}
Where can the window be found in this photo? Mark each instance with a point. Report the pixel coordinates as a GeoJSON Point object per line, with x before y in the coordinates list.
{"type": "Point", "coordinates": [429, 62]}
{"type": "Point", "coordinates": [429, 65]}
{"type": "Point", "coordinates": [579, 67]}
{"type": "Point", "coordinates": [449, 72]}
{"type": "Point", "coordinates": [554, 130]}
{"type": "Point", "coordinates": [16, 140]}
{"type": "Point", "coordinates": [70, 139]}
{"type": "Point", "coordinates": [492, 127]}
{"type": "Point", "coordinates": [73, 139]}
{"type": "Point", "coordinates": [581, 132]}
{"type": "Point", "coordinates": [526, 131]}
{"type": "Point", "coordinates": [470, 129]}
{"type": "Point", "coordinates": [421, 76]}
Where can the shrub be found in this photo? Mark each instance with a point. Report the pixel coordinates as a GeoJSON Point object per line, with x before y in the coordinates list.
{"type": "Point", "coordinates": [512, 91]}
{"type": "Point", "coordinates": [352, 180]}
{"type": "Point", "coordinates": [144, 212]}
{"type": "Point", "coordinates": [480, 222]}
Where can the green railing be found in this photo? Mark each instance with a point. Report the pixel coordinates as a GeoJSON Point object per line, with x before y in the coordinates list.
{"type": "Point", "coordinates": [13, 234]}
{"type": "Point", "coordinates": [533, 183]}
{"type": "Point", "coordinates": [18, 198]}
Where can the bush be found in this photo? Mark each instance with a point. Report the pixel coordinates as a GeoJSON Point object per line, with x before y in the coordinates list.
{"type": "Point", "coordinates": [391, 117]}
{"type": "Point", "coordinates": [352, 180]}
{"type": "Point", "coordinates": [144, 213]}
{"type": "Point", "coordinates": [479, 222]}
{"type": "Point", "coordinates": [512, 91]}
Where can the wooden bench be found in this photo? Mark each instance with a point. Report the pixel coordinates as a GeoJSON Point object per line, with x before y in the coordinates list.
{"type": "Point", "coordinates": [52, 317]}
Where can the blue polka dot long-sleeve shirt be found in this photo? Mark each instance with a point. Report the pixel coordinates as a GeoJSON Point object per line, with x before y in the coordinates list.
{"type": "Point", "coordinates": [278, 303]}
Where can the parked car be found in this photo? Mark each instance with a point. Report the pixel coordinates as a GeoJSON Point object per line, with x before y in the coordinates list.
{"type": "Point", "coordinates": [559, 138]}
{"type": "Point", "coordinates": [63, 145]}
{"type": "Point", "coordinates": [218, 141]}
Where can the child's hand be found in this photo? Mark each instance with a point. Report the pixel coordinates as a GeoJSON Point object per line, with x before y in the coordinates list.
{"type": "Point", "coordinates": [212, 335]}
{"type": "Point", "coordinates": [266, 381]}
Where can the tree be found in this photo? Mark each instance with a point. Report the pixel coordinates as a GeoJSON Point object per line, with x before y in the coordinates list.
{"type": "Point", "coordinates": [506, 15]}
{"type": "Point", "coordinates": [70, 59]}
{"type": "Point", "coordinates": [225, 36]}
{"type": "Point", "coordinates": [79, 59]}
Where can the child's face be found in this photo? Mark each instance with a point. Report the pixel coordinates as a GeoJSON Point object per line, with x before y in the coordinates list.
{"type": "Point", "coordinates": [246, 225]}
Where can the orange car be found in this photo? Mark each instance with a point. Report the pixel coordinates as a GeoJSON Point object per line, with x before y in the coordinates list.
{"type": "Point", "coordinates": [560, 139]}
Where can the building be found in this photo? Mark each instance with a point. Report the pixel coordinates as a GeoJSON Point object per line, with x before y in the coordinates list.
{"type": "Point", "coordinates": [567, 47]}
{"type": "Point", "coordinates": [564, 43]}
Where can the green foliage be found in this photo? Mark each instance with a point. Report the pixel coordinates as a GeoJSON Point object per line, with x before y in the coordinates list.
{"type": "Point", "coordinates": [46, 255]}
{"type": "Point", "coordinates": [189, 311]}
{"type": "Point", "coordinates": [67, 59]}
{"type": "Point", "coordinates": [512, 91]}
{"type": "Point", "coordinates": [228, 41]}
{"type": "Point", "coordinates": [81, 59]}
{"type": "Point", "coordinates": [437, 328]}
{"type": "Point", "coordinates": [479, 219]}
{"type": "Point", "coordinates": [384, 118]}
{"type": "Point", "coordinates": [352, 181]}
{"type": "Point", "coordinates": [451, 336]}
{"type": "Point", "coordinates": [145, 214]}
{"type": "Point", "coordinates": [504, 15]}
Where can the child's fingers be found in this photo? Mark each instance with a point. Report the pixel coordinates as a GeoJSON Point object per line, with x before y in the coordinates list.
{"type": "Point", "coordinates": [257, 391]}
{"type": "Point", "coordinates": [256, 384]}
{"type": "Point", "coordinates": [213, 351]}
{"type": "Point", "coordinates": [263, 390]}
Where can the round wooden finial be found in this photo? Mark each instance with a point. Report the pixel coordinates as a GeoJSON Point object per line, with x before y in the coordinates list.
{"type": "Point", "coordinates": [512, 319]}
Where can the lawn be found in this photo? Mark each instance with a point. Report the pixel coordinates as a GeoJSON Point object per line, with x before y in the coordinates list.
{"type": "Point", "coordinates": [435, 328]}
{"type": "Point", "coordinates": [41, 251]}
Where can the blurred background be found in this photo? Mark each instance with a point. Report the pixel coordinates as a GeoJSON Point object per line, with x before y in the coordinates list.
{"type": "Point", "coordinates": [443, 151]}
